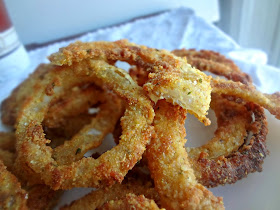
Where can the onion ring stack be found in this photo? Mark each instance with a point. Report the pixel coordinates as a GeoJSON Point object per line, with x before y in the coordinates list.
{"type": "Point", "coordinates": [231, 154]}
{"type": "Point", "coordinates": [87, 172]}
{"type": "Point", "coordinates": [170, 77]}
{"type": "Point", "coordinates": [88, 70]}
{"type": "Point", "coordinates": [227, 157]}
{"type": "Point", "coordinates": [82, 96]}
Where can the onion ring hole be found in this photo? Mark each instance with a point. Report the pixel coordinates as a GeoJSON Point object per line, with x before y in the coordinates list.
{"type": "Point", "coordinates": [197, 133]}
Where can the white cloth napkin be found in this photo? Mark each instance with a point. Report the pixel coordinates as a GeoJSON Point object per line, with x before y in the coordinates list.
{"type": "Point", "coordinates": [179, 28]}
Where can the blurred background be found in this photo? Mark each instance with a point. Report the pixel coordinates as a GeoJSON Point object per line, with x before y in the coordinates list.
{"type": "Point", "coordinates": [251, 23]}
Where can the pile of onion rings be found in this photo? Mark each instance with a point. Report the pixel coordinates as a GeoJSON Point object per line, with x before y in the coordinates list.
{"type": "Point", "coordinates": [15, 192]}
{"type": "Point", "coordinates": [82, 96]}
{"type": "Point", "coordinates": [229, 155]}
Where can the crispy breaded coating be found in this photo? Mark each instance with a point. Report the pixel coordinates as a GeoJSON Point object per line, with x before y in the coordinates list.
{"type": "Point", "coordinates": [131, 201]}
{"type": "Point", "coordinates": [96, 199]}
{"type": "Point", "coordinates": [168, 162]}
{"type": "Point", "coordinates": [11, 195]}
{"type": "Point", "coordinates": [170, 77]}
{"type": "Point", "coordinates": [207, 60]}
{"type": "Point", "coordinates": [271, 102]}
{"type": "Point", "coordinates": [13, 104]}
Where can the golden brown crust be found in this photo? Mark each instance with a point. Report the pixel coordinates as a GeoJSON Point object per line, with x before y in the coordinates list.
{"type": "Point", "coordinates": [108, 168]}
{"type": "Point", "coordinates": [204, 60]}
{"type": "Point", "coordinates": [229, 164]}
{"type": "Point", "coordinates": [98, 198]}
{"type": "Point", "coordinates": [233, 120]}
{"type": "Point", "coordinates": [59, 109]}
{"type": "Point", "coordinates": [8, 158]}
{"type": "Point", "coordinates": [92, 134]}
{"type": "Point", "coordinates": [168, 162]}
{"type": "Point", "coordinates": [74, 102]}
{"type": "Point", "coordinates": [11, 194]}
{"type": "Point", "coordinates": [7, 149]}
{"type": "Point", "coordinates": [214, 62]}
{"type": "Point", "coordinates": [131, 201]}
{"type": "Point", "coordinates": [230, 167]}
{"type": "Point", "coordinates": [170, 77]}
{"type": "Point", "coordinates": [271, 102]}
{"type": "Point", "coordinates": [42, 197]}
{"type": "Point", "coordinates": [39, 196]}
{"type": "Point", "coordinates": [163, 76]}
{"type": "Point", "coordinates": [234, 125]}
{"type": "Point", "coordinates": [7, 141]}
{"type": "Point", "coordinates": [13, 104]}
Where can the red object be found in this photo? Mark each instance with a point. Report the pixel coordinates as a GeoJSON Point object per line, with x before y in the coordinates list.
{"type": "Point", "coordinates": [5, 22]}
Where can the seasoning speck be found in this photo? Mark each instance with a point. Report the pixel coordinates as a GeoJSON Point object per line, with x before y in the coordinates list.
{"type": "Point", "coordinates": [78, 151]}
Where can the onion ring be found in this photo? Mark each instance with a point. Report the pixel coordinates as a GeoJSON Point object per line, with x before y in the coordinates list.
{"type": "Point", "coordinates": [87, 172]}
{"type": "Point", "coordinates": [168, 162]}
{"type": "Point", "coordinates": [98, 198]}
{"type": "Point", "coordinates": [170, 77]}
{"type": "Point", "coordinates": [234, 159]}
{"type": "Point", "coordinates": [211, 61]}
{"type": "Point", "coordinates": [207, 60]}
{"type": "Point", "coordinates": [227, 158]}
{"type": "Point", "coordinates": [69, 114]}
{"type": "Point", "coordinates": [11, 106]}
{"type": "Point", "coordinates": [42, 197]}
{"type": "Point", "coordinates": [234, 120]}
{"type": "Point", "coordinates": [230, 164]}
{"type": "Point", "coordinates": [74, 102]}
{"type": "Point", "coordinates": [7, 149]}
{"type": "Point", "coordinates": [11, 194]}
{"type": "Point", "coordinates": [7, 141]}
{"type": "Point", "coordinates": [131, 201]}
{"type": "Point", "coordinates": [7, 158]}
{"type": "Point", "coordinates": [39, 196]}
{"type": "Point", "coordinates": [34, 197]}
{"type": "Point", "coordinates": [91, 135]}
{"type": "Point", "coordinates": [271, 102]}
{"type": "Point", "coordinates": [61, 120]}
{"type": "Point", "coordinates": [58, 114]}
{"type": "Point", "coordinates": [71, 125]}
{"type": "Point", "coordinates": [59, 109]}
